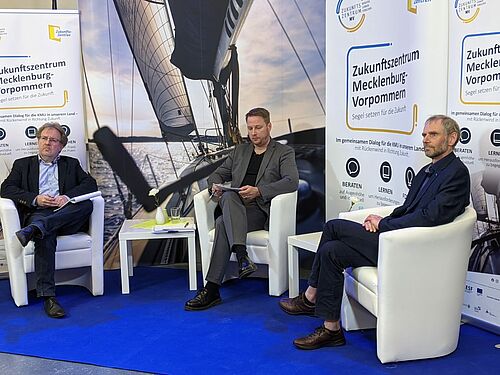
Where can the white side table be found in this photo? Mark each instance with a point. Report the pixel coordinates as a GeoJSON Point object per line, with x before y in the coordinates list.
{"type": "Point", "coordinates": [309, 242]}
{"type": "Point", "coordinates": [128, 233]}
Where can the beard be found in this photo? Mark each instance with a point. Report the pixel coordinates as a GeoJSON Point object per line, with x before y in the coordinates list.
{"type": "Point", "coordinates": [436, 151]}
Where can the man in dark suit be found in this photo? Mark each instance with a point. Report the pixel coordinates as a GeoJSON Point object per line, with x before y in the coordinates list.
{"type": "Point", "coordinates": [438, 194]}
{"type": "Point", "coordinates": [38, 185]}
{"type": "Point", "coordinates": [260, 170]}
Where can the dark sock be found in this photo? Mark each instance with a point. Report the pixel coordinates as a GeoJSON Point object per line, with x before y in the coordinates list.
{"type": "Point", "coordinates": [307, 302]}
{"type": "Point", "coordinates": [330, 330]}
{"type": "Point", "coordinates": [212, 288]}
{"type": "Point", "coordinates": [37, 233]}
{"type": "Point", "coordinates": [240, 250]}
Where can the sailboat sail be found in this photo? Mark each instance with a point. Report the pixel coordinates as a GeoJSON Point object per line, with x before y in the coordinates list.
{"type": "Point", "coordinates": [205, 33]}
{"type": "Point", "coordinates": [149, 34]}
{"type": "Point", "coordinates": [198, 26]}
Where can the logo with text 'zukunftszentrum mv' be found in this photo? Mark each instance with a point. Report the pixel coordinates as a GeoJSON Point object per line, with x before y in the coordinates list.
{"type": "Point", "coordinates": [352, 13]}
{"type": "Point", "coordinates": [468, 10]}
{"type": "Point", "coordinates": [56, 33]}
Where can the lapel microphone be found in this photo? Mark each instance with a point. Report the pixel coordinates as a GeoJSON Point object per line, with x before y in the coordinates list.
{"type": "Point", "coordinates": [429, 171]}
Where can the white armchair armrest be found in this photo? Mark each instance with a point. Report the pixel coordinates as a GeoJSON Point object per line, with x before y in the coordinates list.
{"type": "Point", "coordinates": [13, 249]}
{"type": "Point", "coordinates": [282, 221]}
{"type": "Point", "coordinates": [204, 208]}
{"type": "Point", "coordinates": [360, 215]}
{"type": "Point", "coordinates": [96, 231]}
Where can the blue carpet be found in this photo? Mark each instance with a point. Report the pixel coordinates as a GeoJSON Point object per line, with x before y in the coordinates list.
{"type": "Point", "coordinates": [148, 330]}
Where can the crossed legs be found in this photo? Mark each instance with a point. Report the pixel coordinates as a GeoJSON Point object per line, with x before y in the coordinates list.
{"type": "Point", "coordinates": [69, 220]}
{"type": "Point", "coordinates": [231, 228]}
{"type": "Point", "coordinates": [343, 244]}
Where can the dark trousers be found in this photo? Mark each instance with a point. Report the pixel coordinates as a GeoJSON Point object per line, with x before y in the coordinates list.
{"type": "Point", "coordinates": [343, 244]}
{"type": "Point", "coordinates": [231, 228]}
{"type": "Point", "coordinates": [69, 220]}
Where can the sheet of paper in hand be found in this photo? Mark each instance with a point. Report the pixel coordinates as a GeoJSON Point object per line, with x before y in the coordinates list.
{"type": "Point", "coordinates": [80, 198]}
{"type": "Point", "coordinates": [226, 188]}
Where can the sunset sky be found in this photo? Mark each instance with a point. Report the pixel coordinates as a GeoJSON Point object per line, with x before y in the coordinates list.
{"type": "Point", "coordinates": [270, 73]}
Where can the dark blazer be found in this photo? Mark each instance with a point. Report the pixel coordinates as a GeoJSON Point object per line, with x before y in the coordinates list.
{"type": "Point", "coordinates": [277, 174]}
{"type": "Point", "coordinates": [440, 201]}
{"type": "Point", "coordinates": [21, 185]}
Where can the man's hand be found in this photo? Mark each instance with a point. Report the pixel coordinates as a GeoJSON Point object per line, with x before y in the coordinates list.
{"type": "Point", "coordinates": [46, 201]}
{"type": "Point", "coordinates": [216, 190]}
{"type": "Point", "coordinates": [248, 192]}
{"type": "Point", "coordinates": [61, 200]}
{"type": "Point", "coordinates": [371, 222]}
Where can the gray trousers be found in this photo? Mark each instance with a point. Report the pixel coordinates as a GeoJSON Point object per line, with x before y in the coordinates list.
{"type": "Point", "coordinates": [231, 228]}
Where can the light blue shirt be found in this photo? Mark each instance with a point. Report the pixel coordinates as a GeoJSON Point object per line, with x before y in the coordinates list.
{"type": "Point", "coordinates": [48, 178]}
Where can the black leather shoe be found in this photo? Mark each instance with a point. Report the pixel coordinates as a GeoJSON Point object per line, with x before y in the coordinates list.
{"type": "Point", "coordinates": [203, 300]}
{"type": "Point", "coordinates": [297, 306]}
{"type": "Point", "coordinates": [52, 308]}
{"type": "Point", "coordinates": [26, 234]}
{"type": "Point", "coordinates": [320, 337]}
{"type": "Point", "coordinates": [246, 267]}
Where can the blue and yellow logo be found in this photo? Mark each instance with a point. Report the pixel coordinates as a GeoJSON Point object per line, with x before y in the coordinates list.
{"type": "Point", "coordinates": [56, 33]}
{"type": "Point", "coordinates": [412, 5]}
{"type": "Point", "coordinates": [468, 10]}
{"type": "Point", "coordinates": [53, 33]}
{"type": "Point", "coordinates": [352, 13]}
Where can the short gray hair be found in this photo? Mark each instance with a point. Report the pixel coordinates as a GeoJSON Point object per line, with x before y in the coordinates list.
{"type": "Point", "coordinates": [449, 125]}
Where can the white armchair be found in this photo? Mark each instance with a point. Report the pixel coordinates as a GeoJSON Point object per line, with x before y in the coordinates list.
{"type": "Point", "coordinates": [415, 294]}
{"type": "Point", "coordinates": [79, 257]}
{"type": "Point", "coordinates": [264, 247]}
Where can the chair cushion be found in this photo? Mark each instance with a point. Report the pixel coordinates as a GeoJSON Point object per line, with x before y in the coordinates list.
{"type": "Point", "coordinates": [255, 238]}
{"type": "Point", "coordinates": [66, 243]}
{"type": "Point", "coordinates": [366, 276]}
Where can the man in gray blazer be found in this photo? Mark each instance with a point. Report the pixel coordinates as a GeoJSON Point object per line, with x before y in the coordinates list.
{"type": "Point", "coordinates": [258, 171]}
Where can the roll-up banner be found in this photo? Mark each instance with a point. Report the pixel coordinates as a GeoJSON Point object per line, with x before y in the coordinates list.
{"type": "Point", "coordinates": [474, 100]}
{"type": "Point", "coordinates": [386, 73]}
{"type": "Point", "coordinates": [390, 66]}
{"type": "Point", "coordinates": [40, 80]}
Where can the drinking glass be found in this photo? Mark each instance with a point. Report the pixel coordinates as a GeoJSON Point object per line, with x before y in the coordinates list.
{"type": "Point", "coordinates": [175, 214]}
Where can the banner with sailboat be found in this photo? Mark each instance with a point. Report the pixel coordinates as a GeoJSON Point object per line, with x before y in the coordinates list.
{"type": "Point", "coordinates": [168, 85]}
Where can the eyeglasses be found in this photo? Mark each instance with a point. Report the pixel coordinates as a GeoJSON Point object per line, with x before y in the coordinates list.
{"type": "Point", "coordinates": [49, 139]}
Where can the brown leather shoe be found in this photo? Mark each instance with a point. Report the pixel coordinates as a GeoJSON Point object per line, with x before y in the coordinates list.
{"type": "Point", "coordinates": [297, 305]}
{"type": "Point", "coordinates": [320, 337]}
